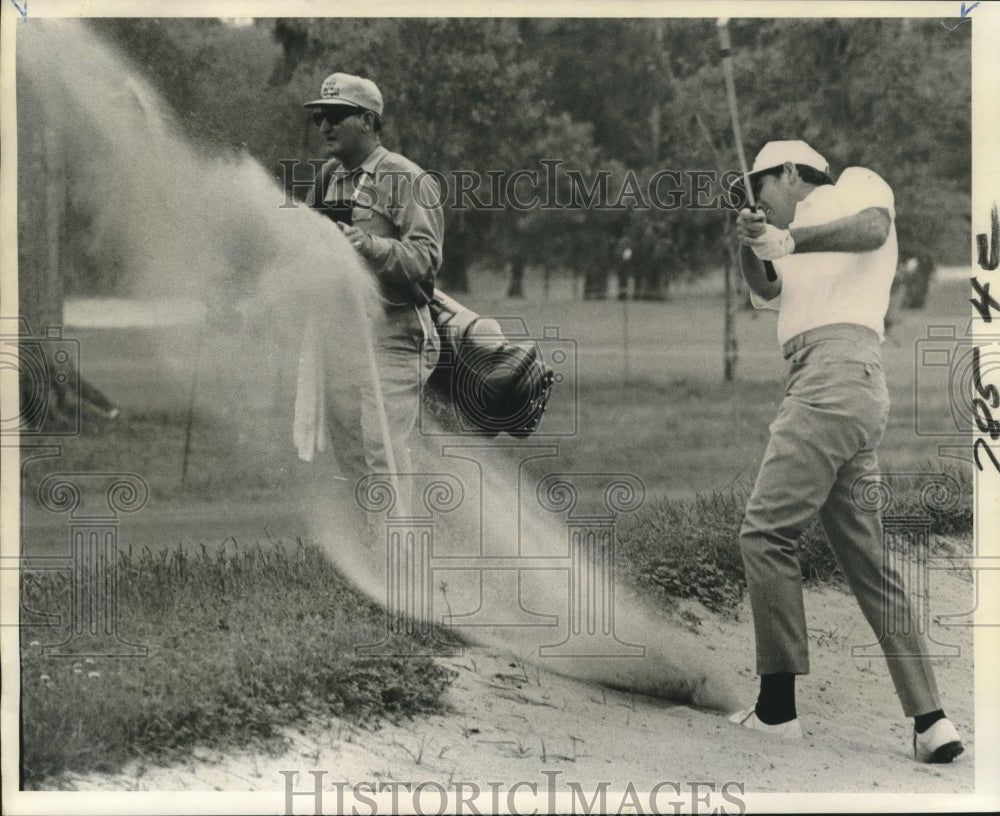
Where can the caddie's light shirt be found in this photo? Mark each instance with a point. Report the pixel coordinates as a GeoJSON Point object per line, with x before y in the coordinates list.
{"type": "Point", "coordinates": [820, 288]}
{"type": "Point", "coordinates": [400, 206]}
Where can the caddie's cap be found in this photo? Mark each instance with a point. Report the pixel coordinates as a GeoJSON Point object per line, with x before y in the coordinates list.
{"type": "Point", "coordinates": [794, 151]}
{"type": "Point", "coordinates": [350, 91]}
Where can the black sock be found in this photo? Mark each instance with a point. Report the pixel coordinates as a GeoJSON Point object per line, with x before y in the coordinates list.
{"type": "Point", "coordinates": [776, 703]}
{"type": "Point", "coordinates": [924, 721]}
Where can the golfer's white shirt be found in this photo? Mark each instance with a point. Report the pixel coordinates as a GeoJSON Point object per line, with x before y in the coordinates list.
{"type": "Point", "coordinates": [820, 288]}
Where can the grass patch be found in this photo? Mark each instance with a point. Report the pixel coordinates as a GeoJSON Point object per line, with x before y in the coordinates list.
{"type": "Point", "coordinates": [687, 549]}
{"type": "Point", "coordinates": [220, 464]}
{"type": "Point", "coordinates": [241, 642]}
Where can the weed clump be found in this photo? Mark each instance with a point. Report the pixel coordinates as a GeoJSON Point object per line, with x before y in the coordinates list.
{"type": "Point", "coordinates": [687, 549]}
{"type": "Point", "coordinates": [690, 549]}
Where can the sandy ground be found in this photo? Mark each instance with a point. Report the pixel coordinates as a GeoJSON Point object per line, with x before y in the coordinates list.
{"type": "Point", "coordinates": [512, 721]}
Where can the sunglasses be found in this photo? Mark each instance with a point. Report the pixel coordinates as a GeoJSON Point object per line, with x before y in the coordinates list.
{"type": "Point", "coordinates": [334, 115]}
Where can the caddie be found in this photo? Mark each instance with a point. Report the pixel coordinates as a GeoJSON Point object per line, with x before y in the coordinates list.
{"type": "Point", "coordinates": [391, 213]}
{"type": "Point", "coordinates": [833, 249]}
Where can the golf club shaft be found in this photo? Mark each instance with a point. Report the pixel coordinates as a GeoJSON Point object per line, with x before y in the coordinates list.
{"type": "Point", "coordinates": [725, 51]}
{"type": "Point", "coordinates": [734, 114]}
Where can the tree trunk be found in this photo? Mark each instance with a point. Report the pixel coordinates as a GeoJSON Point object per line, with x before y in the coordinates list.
{"type": "Point", "coordinates": [49, 381]}
{"type": "Point", "coordinates": [454, 273]}
{"type": "Point", "coordinates": [651, 286]}
{"type": "Point", "coordinates": [515, 289]}
{"type": "Point", "coordinates": [41, 205]}
{"type": "Point", "coordinates": [55, 218]}
{"type": "Point", "coordinates": [730, 354]}
{"type": "Point", "coordinates": [595, 283]}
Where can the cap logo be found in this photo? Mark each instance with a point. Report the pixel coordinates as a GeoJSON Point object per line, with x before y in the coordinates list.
{"type": "Point", "coordinates": [344, 89]}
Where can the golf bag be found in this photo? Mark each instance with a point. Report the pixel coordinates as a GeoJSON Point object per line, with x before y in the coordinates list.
{"type": "Point", "coordinates": [483, 383]}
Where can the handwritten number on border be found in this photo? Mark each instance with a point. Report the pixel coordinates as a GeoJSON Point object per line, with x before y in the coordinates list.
{"type": "Point", "coordinates": [975, 454]}
{"type": "Point", "coordinates": [985, 302]}
{"type": "Point", "coordinates": [988, 253]}
{"type": "Point", "coordinates": [988, 397]}
{"type": "Point", "coordinates": [989, 391]}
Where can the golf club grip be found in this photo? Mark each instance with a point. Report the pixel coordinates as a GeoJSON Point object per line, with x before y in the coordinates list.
{"type": "Point", "coordinates": [769, 271]}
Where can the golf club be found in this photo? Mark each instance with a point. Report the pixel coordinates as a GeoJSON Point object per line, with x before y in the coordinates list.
{"type": "Point", "coordinates": [725, 52]}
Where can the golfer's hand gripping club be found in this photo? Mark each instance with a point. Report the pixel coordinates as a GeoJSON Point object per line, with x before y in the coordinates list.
{"type": "Point", "coordinates": [767, 241]}
{"type": "Point", "coordinates": [750, 223]}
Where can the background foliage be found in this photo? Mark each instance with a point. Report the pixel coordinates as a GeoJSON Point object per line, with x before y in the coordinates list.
{"type": "Point", "coordinates": [623, 95]}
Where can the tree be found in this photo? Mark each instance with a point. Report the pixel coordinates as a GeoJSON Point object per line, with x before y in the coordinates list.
{"type": "Point", "coordinates": [599, 95]}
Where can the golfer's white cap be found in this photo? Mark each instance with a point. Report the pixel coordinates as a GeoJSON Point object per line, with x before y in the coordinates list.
{"type": "Point", "coordinates": [794, 151]}
{"type": "Point", "coordinates": [350, 91]}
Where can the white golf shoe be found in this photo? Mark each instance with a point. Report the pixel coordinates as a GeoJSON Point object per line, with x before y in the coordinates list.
{"type": "Point", "coordinates": [786, 730]}
{"type": "Point", "coordinates": [939, 743]}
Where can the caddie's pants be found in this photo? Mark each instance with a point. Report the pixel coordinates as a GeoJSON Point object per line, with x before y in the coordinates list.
{"type": "Point", "coordinates": [832, 418]}
{"type": "Point", "coordinates": [406, 348]}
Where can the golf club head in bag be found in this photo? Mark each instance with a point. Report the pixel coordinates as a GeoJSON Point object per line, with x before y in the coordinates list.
{"type": "Point", "coordinates": [484, 384]}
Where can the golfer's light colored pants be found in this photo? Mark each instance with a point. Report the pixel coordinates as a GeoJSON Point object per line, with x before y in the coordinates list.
{"type": "Point", "coordinates": [832, 418]}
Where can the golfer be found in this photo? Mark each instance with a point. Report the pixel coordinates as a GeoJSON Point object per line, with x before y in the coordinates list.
{"type": "Point", "coordinates": [833, 249]}
{"type": "Point", "coordinates": [390, 212]}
